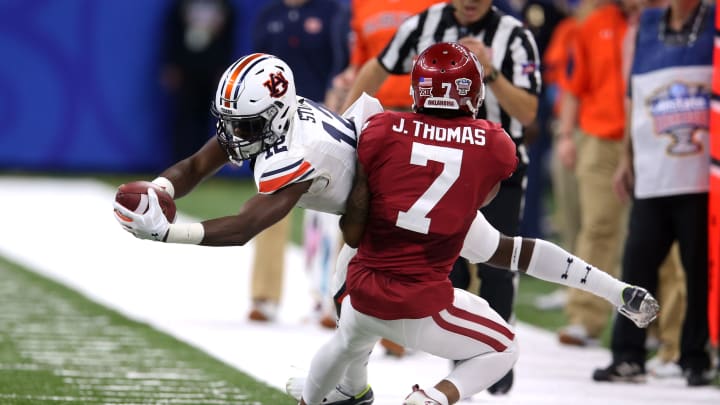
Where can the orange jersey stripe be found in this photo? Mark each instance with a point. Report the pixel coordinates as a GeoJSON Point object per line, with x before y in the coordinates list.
{"type": "Point", "coordinates": [233, 77]}
{"type": "Point", "coordinates": [269, 186]}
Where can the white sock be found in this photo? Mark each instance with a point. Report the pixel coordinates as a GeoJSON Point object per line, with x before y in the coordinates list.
{"type": "Point", "coordinates": [551, 263]}
{"type": "Point", "coordinates": [436, 395]}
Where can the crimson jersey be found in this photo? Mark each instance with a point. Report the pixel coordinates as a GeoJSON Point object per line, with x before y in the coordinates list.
{"type": "Point", "coordinates": [427, 178]}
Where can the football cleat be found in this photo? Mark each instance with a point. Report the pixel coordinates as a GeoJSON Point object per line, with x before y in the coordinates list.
{"type": "Point", "coordinates": [294, 387]}
{"type": "Point", "coordinates": [263, 311]}
{"type": "Point", "coordinates": [418, 397]}
{"type": "Point", "coordinates": [639, 306]}
{"type": "Point", "coordinates": [576, 335]}
{"type": "Point", "coordinates": [621, 372]}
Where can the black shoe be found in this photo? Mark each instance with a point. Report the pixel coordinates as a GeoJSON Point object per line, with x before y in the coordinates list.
{"type": "Point", "coordinates": [698, 378]}
{"type": "Point", "coordinates": [624, 372]}
{"type": "Point", "coordinates": [503, 385]}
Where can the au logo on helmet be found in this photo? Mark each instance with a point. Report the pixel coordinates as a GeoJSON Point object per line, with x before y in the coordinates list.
{"type": "Point", "coordinates": [277, 84]}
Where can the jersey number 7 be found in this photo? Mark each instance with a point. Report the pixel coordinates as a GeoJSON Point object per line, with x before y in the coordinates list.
{"type": "Point", "coordinates": [415, 219]}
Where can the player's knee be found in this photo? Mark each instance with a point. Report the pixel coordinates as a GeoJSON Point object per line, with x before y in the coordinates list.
{"type": "Point", "coordinates": [512, 352]}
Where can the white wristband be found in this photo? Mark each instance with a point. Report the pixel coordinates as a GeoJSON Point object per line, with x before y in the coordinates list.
{"type": "Point", "coordinates": [192, 233]}
{"type": "Point", "coordinates": [166, 184]}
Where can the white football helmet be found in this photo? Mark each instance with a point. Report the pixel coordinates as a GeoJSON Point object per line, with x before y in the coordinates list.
{"type": "Point", "coordinates": [254, 103]}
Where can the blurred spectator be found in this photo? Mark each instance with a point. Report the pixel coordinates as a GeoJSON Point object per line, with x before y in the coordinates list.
{"type": "Point", "coordinates": [594, 98]}
{"type": "Point", "coordinates": [311, 36]}
{"type": "Point", "coordinates": [541, 17]}
{"type": "Point", "coordinates": [566, 216]}
{"type": "Point", "coordinates": [198, 45]}
{"type": "Point", "coordinates": [512, 82]}
{"type": "Point", "coordinates": [556, 60]}
{"type": "Point", "coordinates": [665, 168]}
{"type": "Point", "coordinates": [373, 24]}
{"type": "Point", "coordinates": [663, 336]}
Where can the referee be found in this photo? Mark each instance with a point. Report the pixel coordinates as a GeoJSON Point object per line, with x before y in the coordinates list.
{"type": "Point", "coordinates": [510, 61]}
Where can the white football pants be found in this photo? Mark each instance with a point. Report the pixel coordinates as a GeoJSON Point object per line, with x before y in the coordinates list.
{"type": "Point", "coordinates": [469, 331]}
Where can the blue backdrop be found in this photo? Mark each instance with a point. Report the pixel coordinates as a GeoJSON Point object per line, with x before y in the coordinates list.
{"type": "Point", "coordinates": [79, 87]}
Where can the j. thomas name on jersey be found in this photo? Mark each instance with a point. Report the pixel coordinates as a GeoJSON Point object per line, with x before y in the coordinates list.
{"type": "Point", "coordinates": [459, 134]}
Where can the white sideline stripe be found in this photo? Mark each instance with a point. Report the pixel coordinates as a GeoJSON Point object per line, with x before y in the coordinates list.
{"type": "Point", "coordinates": [64, 229]}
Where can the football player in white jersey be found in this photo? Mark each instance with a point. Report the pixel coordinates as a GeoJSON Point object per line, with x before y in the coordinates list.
{"type": "Point", "coordinates": [302, 154]}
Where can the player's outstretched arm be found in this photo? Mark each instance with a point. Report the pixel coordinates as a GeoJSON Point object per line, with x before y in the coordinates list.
{"type": "Point", "coordinates": [258, 213]}
{"type": "Point", "coordinates": [180, 178]}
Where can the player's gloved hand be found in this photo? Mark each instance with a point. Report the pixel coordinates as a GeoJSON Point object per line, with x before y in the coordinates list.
{"type": "Point", "coordinates": [151, 225]}
{"type": "Point", "coordinates": [639, 306]}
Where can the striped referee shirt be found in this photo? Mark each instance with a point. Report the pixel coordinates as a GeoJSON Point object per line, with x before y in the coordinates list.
{"type": "Point", "coordinates": [514, 54]}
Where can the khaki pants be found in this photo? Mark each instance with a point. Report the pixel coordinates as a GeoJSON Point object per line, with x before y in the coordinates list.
{"type": "Point", "coordinates": [672, 297]}
{"type": "Point", "coordinates": [566, 217]}
{"type": "Point", "coordinates": [269, 263]}
{"type": "Point", "coordinates": [602, 226]}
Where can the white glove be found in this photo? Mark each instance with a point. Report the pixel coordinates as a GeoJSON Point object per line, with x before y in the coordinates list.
{"type": "Point", "coordinates": [151, 225]}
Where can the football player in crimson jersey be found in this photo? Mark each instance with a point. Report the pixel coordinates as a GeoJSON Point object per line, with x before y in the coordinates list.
{"type": "Point", "coordinates": [420, 179]}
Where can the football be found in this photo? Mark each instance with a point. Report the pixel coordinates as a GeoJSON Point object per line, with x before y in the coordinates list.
{"type": "Point", "coordinates": [133, 196]}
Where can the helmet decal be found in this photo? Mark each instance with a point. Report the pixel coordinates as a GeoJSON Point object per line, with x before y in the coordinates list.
{"type": "Point", "coordinates": [277, 84]}
{"type": "Point", "coordinates": [463, 85]}
{"type": "Point", "coordinates": [233, 81]}
{"type": "Point", "coordinates": [425, 82]}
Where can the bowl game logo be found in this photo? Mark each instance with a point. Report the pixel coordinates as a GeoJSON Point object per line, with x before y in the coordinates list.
{"type": "Point", "coordinates": [463, 85]}
{"type": "Point", "coordinates": [681, 111]}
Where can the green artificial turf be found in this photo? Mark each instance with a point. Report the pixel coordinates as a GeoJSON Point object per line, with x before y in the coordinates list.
{"type": "Point", "coordinates": [58, 347]}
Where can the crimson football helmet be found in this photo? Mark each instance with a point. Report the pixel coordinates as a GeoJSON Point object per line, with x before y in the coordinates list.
{"type": "Point", "coordinates": [447, 76]}
{"type": "Point", "coordinates": [254, 103]}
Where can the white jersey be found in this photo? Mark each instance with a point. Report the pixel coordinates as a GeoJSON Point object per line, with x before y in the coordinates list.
{"type": "Point", "coordinates": [319, 146]}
